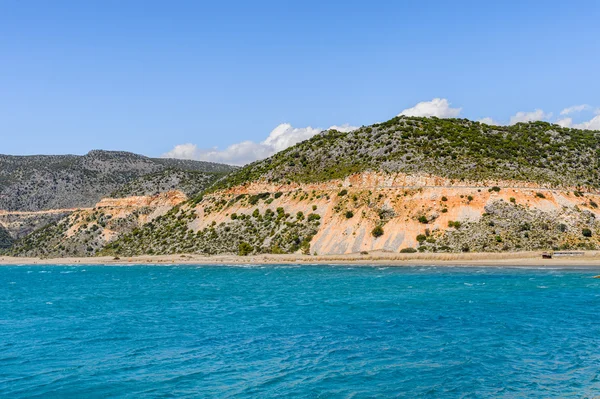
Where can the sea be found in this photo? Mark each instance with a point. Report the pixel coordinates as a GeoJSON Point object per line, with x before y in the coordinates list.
{"type": "Point", "coordinates": [309, 331]}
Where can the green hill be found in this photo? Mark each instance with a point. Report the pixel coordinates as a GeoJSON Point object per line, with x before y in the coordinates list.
{"type": "Point", "coordinates": [454, 148]}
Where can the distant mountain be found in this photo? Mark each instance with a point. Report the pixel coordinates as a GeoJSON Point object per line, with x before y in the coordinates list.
{"type": "Point", "coordinates": [40, 182]}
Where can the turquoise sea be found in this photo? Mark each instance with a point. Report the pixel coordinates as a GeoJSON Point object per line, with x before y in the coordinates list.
{"type": "Point", "coordinates": [308, 332]}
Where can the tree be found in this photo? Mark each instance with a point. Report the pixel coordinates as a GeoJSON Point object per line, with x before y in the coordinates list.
{"type": "Point", "coordinates": [244, 249]}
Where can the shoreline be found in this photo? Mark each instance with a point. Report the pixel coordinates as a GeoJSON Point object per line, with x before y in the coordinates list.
{"type": "Point", "coordinates": [515, 259]}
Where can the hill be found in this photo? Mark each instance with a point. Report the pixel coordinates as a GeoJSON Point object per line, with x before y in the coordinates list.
{"type": "Point", "coordinates": [41, 182]}
{"type": "Point", "coordinates": [406, 185]}
{"type": "Point", "coordinates": [409, 184]}
{"type": "Point", "coordinates": [458, 149]}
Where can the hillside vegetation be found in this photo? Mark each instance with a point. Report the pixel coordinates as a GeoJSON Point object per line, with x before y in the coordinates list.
{"type": "Point", "coordinates": [190, 182]}
{"type": "Point", "coordinates": [33, 183]}
{"type": "Point", "coordinates": [454, 148]}
{"type": "Point", "coordinates": [5, 239]}
{"type": "Point", "coordinates": [394, 186]}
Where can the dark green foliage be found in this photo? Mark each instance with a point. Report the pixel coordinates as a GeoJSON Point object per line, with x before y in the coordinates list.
{"type": "Point", "coordinates": [540, 195]}
{"type": "Point", "coordinates": [423, 219]}
{"type": "Point", "coordinates": [421, 238]}
{"type": "Point", "coordinates": [495, 189]}
{"type": "Point", "coordinates": [586, 232]}
{"type": "Point", "coordinates": [408, 250]}
{"type": "Point", "coordinates": [444, 199]}
{"type": "Point", "coordinates": [349, 214]}
{"type": "Point", "coordinates": [245, 249]}
{"type": "Point", "coordinates": [253, 200]}
{"type": "Point", "coordinates": [377, 231]}
{"type": "Point", "coordinates": [313, 216]}
{"type": "Point", "coordinates": [342, 193]}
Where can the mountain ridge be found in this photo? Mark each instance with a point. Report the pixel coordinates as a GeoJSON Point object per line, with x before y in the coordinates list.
{"type": "Point", "coordinates": [39, 182]}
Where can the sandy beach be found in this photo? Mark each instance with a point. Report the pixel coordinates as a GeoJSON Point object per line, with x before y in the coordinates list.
{"type": "Point", "coordinates": [588, 259]}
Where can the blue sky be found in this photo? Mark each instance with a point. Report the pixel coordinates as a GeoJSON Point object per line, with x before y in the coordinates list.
{"type": "Point", "coordinates": [145, 76]}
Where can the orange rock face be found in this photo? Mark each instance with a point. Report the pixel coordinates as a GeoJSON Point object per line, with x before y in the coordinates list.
{"type": "Point", "coordinates": [409, 205]}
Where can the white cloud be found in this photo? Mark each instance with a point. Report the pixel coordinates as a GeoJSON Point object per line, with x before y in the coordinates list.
{"type": "Point", "coordinates": [565, 122]}
{"type": "Point", "coordinates": [280, 138]}
{"type": "Point", "coordinates": [593, 124]}
{"type": "Point", "coordinates": [536, 115]}
{"type": "Point", "coordinates": [438, 107]}
{"type": "Point", "coordinates": [575, 108]}
{"type": "Point", "coordinates": [489, 121]}
{"type": "Point", "coordinates": [345, 128]}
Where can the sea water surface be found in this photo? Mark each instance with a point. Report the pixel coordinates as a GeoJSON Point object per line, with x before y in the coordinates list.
{"type": "Point", "coordinates": [309, 332]}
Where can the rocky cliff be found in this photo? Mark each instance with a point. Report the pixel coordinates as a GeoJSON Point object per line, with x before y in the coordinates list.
{"type": "Point", "coordinates": [372, 211]}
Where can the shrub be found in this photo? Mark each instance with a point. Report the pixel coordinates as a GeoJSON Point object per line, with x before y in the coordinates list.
{"type": "Point", "coordinates": [455, 224]}
{"type": "Point", "coordinates": [377, 231]}
{"type": "Point", "coordinates": [421, 237]}
{"type": "Point", "coordinates": [313, 216]}
{"type": "Point", "coordinates": [349, 214]}
{"type": "Point", "coordinates": [586, 232]}
{"type": "Point", "coordinates": [495, 188]}
{"type": "Point", "coordinates": [470, 198]}
{"type": "Point", "coordinates": [342, 193]}
{"type": "Point", "coordinates": [244, 249]}
{"type": "Point", "coordinates": [314, 207]}
{"type": "Point", "coordinates": [444, 199]}
{"type": "Point", "coordinates": [513, 200]}
{"type": "Point", "coordinates": [278, 194]}
{"type": "Point", "coordinates": [562, 228]}
{"type": "Point", "coordinates": [540, 195]}
{"type": "Point", "coordinates": [593, 204]}
{"type": "Point", "coordinates": [408, 250]}
{"type": "Point", "coordinates": [300, 215]}
{"type": "Point", "coordinates": [423, 219]}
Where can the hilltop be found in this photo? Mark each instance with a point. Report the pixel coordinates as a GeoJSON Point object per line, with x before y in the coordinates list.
{"type": "Point", "coordinates": [458, 149]}
{"type": "Point", "coordinates": [42, 182]}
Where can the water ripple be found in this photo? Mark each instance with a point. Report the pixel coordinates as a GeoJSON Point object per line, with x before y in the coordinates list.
{"type": "Point", "coordinates": [289, 331]}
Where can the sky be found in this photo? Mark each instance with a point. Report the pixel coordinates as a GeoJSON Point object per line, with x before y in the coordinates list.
{"type": "Point", "coordinates": [233, 81]}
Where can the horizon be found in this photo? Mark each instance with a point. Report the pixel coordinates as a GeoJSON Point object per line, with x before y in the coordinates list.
{"type": "Point", "coordinates": [234, 83]}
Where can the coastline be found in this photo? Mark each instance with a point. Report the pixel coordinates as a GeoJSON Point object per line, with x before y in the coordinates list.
{"type": "Point", "coordinates": [588, 259]}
